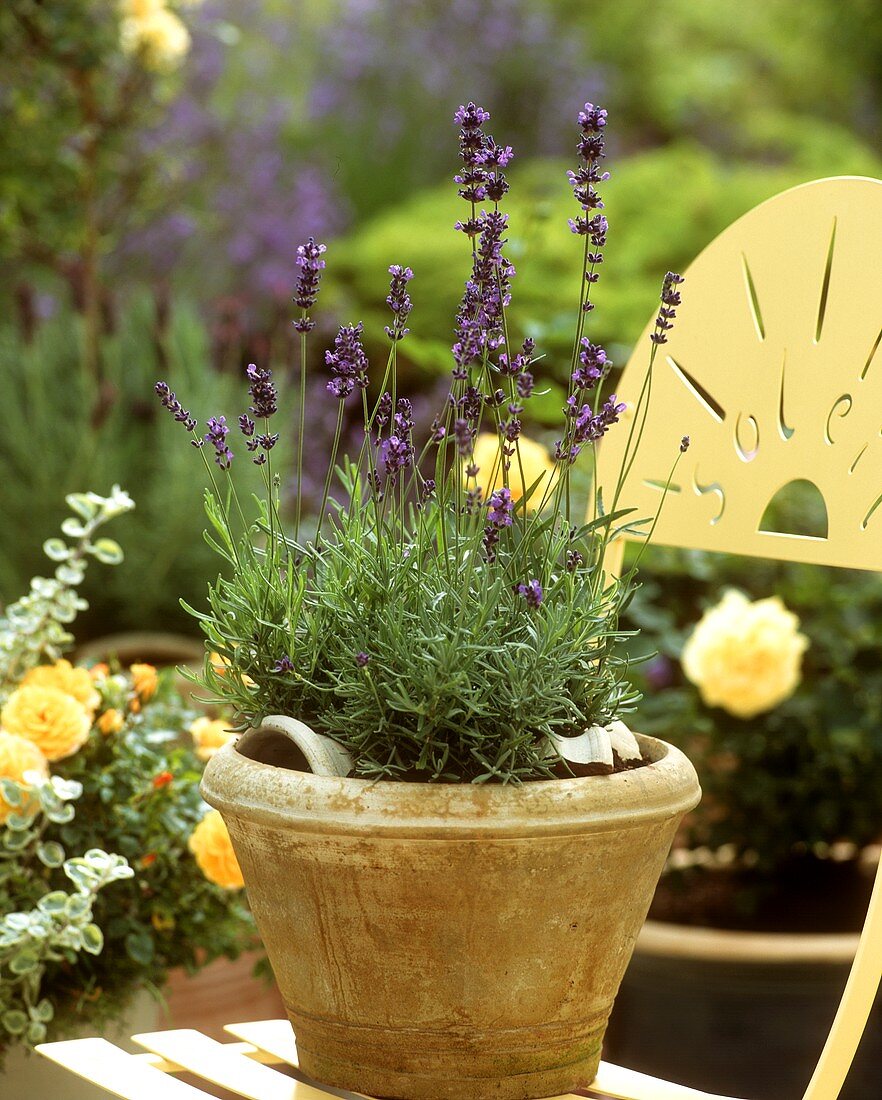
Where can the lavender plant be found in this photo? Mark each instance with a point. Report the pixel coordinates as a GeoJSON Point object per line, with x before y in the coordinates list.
{"type": "Point", "coordinates": [440, 629]}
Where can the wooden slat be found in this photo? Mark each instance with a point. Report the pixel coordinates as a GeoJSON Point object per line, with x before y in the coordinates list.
{"type": "Point", "coordinates": [121, 1074]}
{"type": "Point", "coordinates": [227, 1067]}
{"type": "Point", "coordinates": [626, 1084]}
{"type": "Point", "coordinates": [276, 1037]}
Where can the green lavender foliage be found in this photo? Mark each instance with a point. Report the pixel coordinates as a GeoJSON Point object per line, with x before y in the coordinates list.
{"type": "Point", "coordinates": [462, 684]}
{"type": "Point", "coordinates": [63, 429]}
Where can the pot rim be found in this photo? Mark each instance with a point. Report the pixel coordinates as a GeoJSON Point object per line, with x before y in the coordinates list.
{"type": "Point", "coordinates": [687, 941]}
{"type": "Point", "coordinates": [303, 802]}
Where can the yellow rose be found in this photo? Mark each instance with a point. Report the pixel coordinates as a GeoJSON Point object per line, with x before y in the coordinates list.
{"type": "Point", "coordinates": [745, 657]}
{"type": "Point", "coordinates": [210, 844]}
{"type": "Point", "coordinates": [72, 681]}
{"type": "Point", "coordinates": [57, 723]}
{"type": "Point", "coordinates": [155, 33]}
{"type": "Point", "coordinates": [209, 734]}
{"type": "Point", "coordinates": [533, 457]}
{"type": "Point", "coordinates": [17, 756]}
{"type": "Point", "coordinates": [144, 681]}
{"type": "Point", "coordinates": [111, 721]}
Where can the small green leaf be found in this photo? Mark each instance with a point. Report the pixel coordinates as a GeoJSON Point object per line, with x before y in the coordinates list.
{"type": "Point", "coordinates": [15, 842]}
{"type": "Point", "coordinates": [107, 551]}
{"type": "Point", "coordinates": [18, 822]}
{"type": "Point", "coordinates": [78, 905]}
{"type": "Point", "coordinates": [73, 528]}
{"type": "Point", "coordinates": [56, 549]}
{"type": "Point", "coordinates": [23, 961]}
{"type": "Point", "coordinates": [36, 1032]}
{"type": "Point", "coordinates": [139, 946]}
{"type": "Point", "coordinates": [54, 903]}
{"type": "Point", "coordinates": [14, 1021]}
{"type": "Point", "coordinates": [50, 853]}
{"type": "Point", "coordinates": [12, 792]}
{"type": "Point", "coordinates": [93, 939]}
{"type": "Point", "coordinates": [43, 1011]}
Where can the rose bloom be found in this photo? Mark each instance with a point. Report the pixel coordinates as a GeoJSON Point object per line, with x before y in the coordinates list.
{"type": "Point", "coordinates": [533, 457]}
{"type": "Point", "coordinates": [17, 756]}
{"type": "Point", "coordinates": [57, 723]}
{"type": "Point", "coordinates": [111, 721]}
{"type": "Point", "coordinates": [72, 681]}
{"type": "Point", "coordinates": [144, 680]}
{"type": "Point", "coordinates": [745, 657]}
{"type": "Point", "coordinates": [209, 734]}
{"type": "Point", "coordinates": [210, 844]}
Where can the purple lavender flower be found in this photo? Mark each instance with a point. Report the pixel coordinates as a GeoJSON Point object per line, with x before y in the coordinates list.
{"type": "Point", "coordinates": [500, 507]}
{"type": "Point", "coordinates": [479, 321]}
{"type": "Point", "coordinates": [284, 664]}
{"type": "Point", "coordinates": [592, 121]}
{"type": "Point", "coordinates": [594, 365]}
{"type": "Point", "coordinates": [311, 265]}
{"type": "Point", "coordinates": [670, 299]}
{"type": "Point", "coordinates": [262, 391]}
{"type": "Point", "coordinates": [574, 560]}
{"type": "Point", "coordinates": [217, 436]}
{"type": "Point", "coordinates": [169, 401]}
{"type": "Point", "coordinates": [588, 426]}
{"type": "Point", "coordinates": [463, 433]}
{"type": "Point", "coordinates": [397, 451]}
{"type": "Point", "coordinates": [362, 659]}
{"type": "Point", "coordinates": [427, 490]}
{"type": "Point", "coordinates": [684, 444]}
{"type": "Point", "coordinates": [399, 302]}
{"type": "Point", "coordinates": [531, 592]}
{"type": "Point", "coordinates": [347, 361]}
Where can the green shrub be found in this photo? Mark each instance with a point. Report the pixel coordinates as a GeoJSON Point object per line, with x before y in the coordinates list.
{"type": "Point", "coordinates": [62, 430]}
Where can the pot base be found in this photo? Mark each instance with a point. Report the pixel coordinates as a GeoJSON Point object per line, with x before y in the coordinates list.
{"type": "Point", "coordinates": [455, 1064]}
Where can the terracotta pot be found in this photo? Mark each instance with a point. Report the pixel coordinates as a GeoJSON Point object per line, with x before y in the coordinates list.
{"type": "Point", "coordinates": [448, 941]}
{"type": "Point", "coordinates": [154, 648]}
{"type": "Point", "coordinates": [744, 1013]}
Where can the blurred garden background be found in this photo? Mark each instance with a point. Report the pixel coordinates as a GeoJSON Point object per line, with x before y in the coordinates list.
{"type": "Point", "coordinates": [160, 162]}
{"type": "Point", "coordinates": [159, 165]}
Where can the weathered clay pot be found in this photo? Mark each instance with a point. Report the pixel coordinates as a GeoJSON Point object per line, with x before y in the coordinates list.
{"type": "Point", "coordinates": [448, 942]}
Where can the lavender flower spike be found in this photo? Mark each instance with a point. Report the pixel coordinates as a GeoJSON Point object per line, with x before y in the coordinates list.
{"type": "Point", "coordinates": [169, 401]}
{"type": "Point", "coordinates": [348, 362]}
{"type": "Point", "coordinates": [262, 391]}
{"type": "Point", "coordinates": [217, 436]}
{"type": "Point", "coordinates": [311, 265]}
{"type": "Point", "coordinates": [531, 592]}
{"type": "Point", "coordinates": [670, 299]}
{"type": "Point", "coordinates": [399, 302]}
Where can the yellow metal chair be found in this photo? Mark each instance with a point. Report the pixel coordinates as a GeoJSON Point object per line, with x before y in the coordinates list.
{"type": "Point", "coordinates": [774, 370]}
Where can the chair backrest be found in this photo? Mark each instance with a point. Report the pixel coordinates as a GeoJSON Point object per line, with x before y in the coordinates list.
{"type": "Point", "coordinates": [774, 371]}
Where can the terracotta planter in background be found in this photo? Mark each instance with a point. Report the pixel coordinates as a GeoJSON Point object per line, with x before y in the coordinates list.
{"type": "Point", "coordinates": [745, 1013]}
{"type": "Point", "coordinates": [449, 941]}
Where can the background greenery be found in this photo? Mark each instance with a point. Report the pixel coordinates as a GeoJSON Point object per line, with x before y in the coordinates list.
{"type": "Point", "coordinates": [172, 256]}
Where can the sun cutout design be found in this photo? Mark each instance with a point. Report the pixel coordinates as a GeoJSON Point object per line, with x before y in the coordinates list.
{"type": "Point", "coordinates": [774, 370]}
